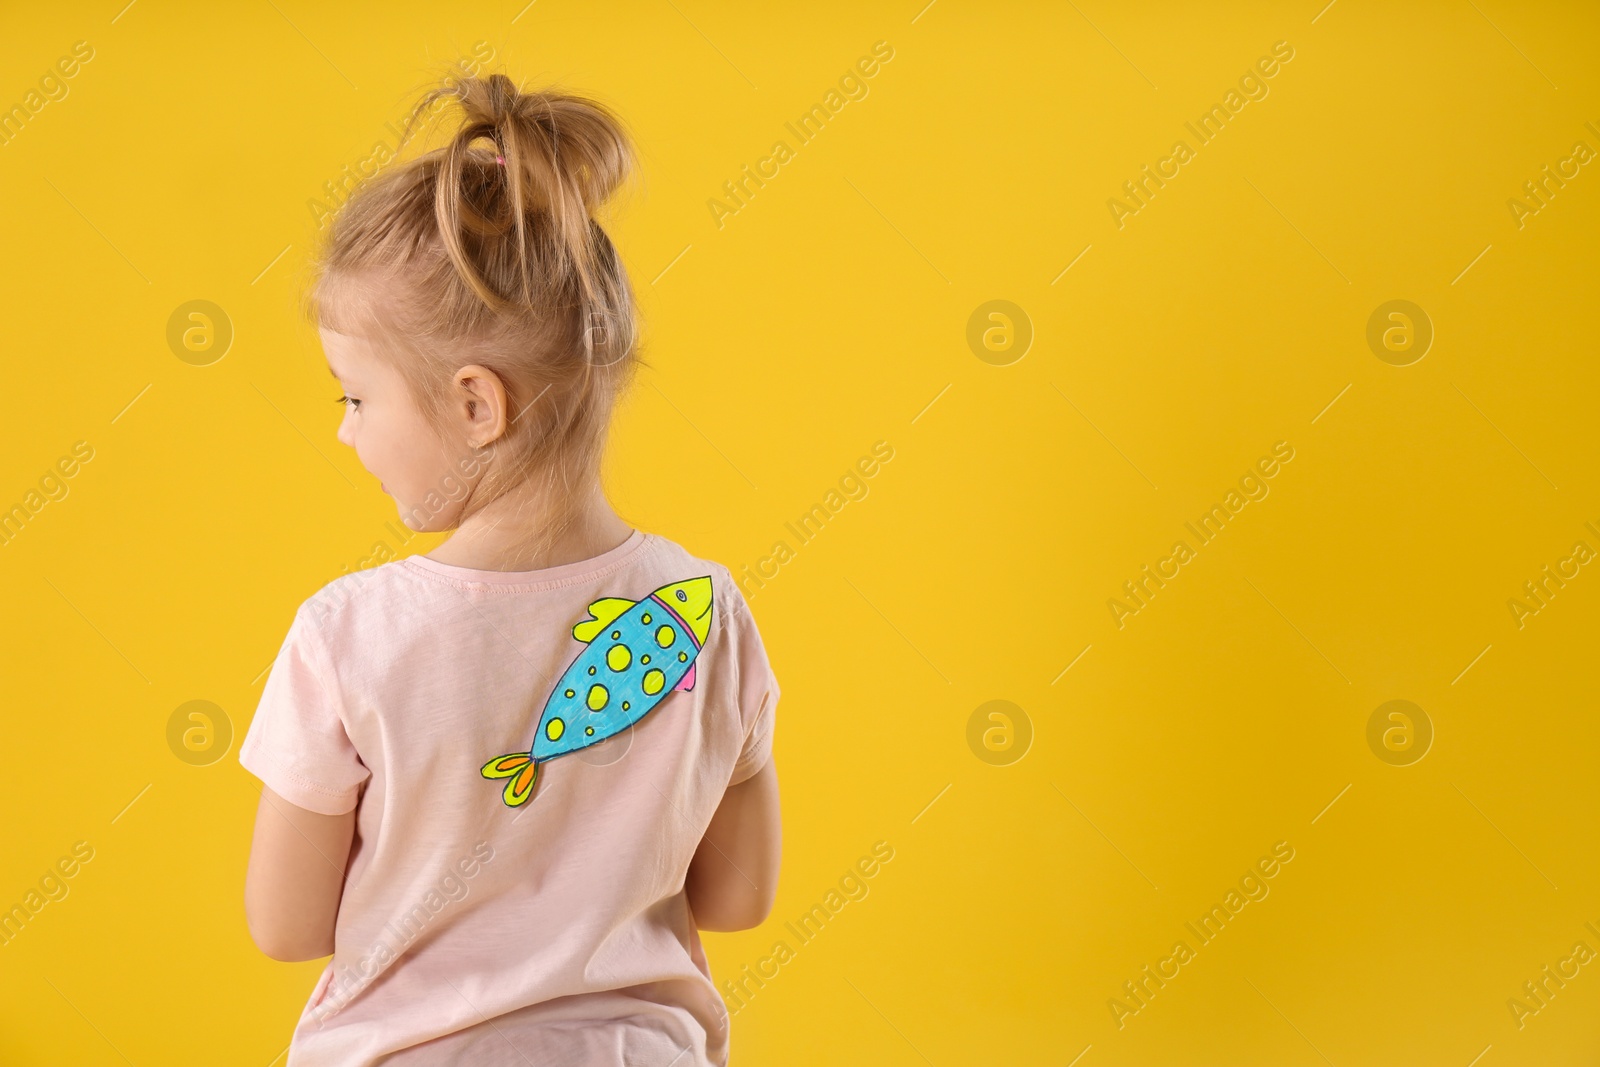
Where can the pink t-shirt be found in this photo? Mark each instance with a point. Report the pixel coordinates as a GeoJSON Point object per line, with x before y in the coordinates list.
{"type": "Point", "coordinates": [554, 930]}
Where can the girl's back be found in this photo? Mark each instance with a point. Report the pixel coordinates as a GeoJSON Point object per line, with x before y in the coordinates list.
{"type": "Point", "coordinates": [556, 931]}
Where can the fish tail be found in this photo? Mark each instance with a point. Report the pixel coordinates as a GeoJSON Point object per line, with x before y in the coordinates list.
{"type": "Point", "coordinates": [521, 769]}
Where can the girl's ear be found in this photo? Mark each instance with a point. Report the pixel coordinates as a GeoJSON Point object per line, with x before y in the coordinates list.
{"type": "Point", "coordinates": [480, 405]}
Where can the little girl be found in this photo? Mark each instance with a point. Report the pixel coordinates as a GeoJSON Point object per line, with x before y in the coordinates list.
{"type": "Point", "coordinates": [505, 782]}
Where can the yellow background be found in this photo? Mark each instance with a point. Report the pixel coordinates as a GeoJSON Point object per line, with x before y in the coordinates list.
{"type": "Point", "coordinates": [829, 313]}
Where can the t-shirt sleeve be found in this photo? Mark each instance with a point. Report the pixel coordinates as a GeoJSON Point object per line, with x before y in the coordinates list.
{"type": "Point", "coordinates": [297, 742]}
{"type": "Point", "coordinates": [758, 693]}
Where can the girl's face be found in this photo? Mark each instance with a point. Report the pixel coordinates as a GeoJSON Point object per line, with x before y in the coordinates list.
{"type": "Point", "coordinates": [392, 437]}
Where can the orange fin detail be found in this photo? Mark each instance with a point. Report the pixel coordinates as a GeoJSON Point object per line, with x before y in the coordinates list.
{"type": "Point", "coordinates": [520, 788]}
{"type": "Point", "coordinates": [507, 765]}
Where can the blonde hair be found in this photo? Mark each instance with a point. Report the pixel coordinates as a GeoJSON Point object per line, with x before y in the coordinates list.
{"type": "Point", "coordinates": [454, 258]}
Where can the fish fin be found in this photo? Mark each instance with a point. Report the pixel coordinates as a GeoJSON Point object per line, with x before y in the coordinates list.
{"type": "Point", "coordinates": [520, 788]}
{"type": "Point", "coordinates": [520, 768]}
{"type": "Point", "coordinates": [507, 765]}
{"type": "Point", "coordinates": [687, 681]}
{"type": "Point", "coordinates": [603, 613]}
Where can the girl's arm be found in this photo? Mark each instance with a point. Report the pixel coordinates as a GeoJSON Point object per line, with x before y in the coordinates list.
{"type": "Point", "coordinates": [733, 877]}
{"type": "Point", "coordinates": [295, 878]}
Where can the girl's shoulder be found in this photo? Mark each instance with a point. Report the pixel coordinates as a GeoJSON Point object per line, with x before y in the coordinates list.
{"type": "Point", "coordinates": [338, 599]}
{"type": "Point", "coordinates": [414, 591]}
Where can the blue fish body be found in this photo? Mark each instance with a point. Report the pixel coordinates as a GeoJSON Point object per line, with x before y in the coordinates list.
{"type": "Point", "coordinates": [635, 654]}
{"type": "Point", "coordinates": [628, 667]}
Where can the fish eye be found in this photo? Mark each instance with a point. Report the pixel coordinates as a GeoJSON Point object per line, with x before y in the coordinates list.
{"type": "Point", "coordinates": [682, 595]}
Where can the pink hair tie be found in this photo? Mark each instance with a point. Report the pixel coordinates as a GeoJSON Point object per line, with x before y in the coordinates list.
{"type": "Point", "coordinates": [500, 160]}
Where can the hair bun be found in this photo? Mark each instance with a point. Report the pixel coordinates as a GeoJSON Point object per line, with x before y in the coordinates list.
{"type": "Point", "coordinates": [564, 156]}
{"type": "Point", "coordinates": [568, 144]}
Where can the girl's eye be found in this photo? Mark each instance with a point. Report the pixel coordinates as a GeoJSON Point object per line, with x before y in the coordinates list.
{"type": "Point", "coordinates": [349, 401]}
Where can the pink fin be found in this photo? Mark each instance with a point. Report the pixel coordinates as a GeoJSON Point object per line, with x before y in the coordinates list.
{"type": "Point", "coordinates": [687, 681]}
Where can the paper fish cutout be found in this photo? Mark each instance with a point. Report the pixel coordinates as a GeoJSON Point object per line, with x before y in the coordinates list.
{"type": "Point", "coordinates": [635, 654]}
